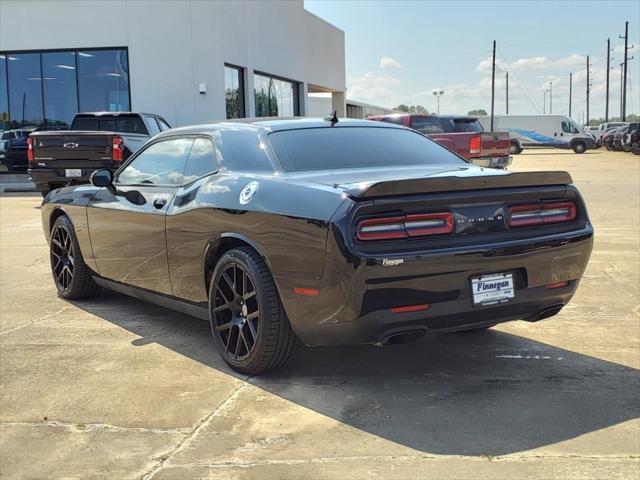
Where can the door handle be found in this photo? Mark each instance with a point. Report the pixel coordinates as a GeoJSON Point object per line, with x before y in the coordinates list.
{"type": "Point", "coordinates": [159, 202]}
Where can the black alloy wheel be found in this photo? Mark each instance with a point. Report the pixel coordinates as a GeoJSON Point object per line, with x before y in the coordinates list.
{"type": "Point", "coordinates": [236, 314]}
{"type": "Point", "coordinates": [72, 277]}
{"type": "Point", "coordinates": [249, 326]}
{"type": "Point", "coordinates": [62, 257]}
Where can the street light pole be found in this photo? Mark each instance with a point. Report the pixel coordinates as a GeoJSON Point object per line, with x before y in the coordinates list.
{"type": "Point", "coordinates": [438, 93]}
{"type": "Point", "coordinates": [550, 98]}
{"type": "Point", "coordinates": [570, 91]}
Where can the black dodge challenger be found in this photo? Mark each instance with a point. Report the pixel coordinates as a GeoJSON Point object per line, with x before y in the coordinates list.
{"type": "Point", "coordinates": [334, 233]}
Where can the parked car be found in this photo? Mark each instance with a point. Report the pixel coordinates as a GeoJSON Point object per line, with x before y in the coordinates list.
{"type": "Point", "coordinates": [595, 132]}
{"type": "Point", "coordinates": [634, 139]}
{"type": "Point", "coordinates": [95, 140]}
{"type": "Point", "coordinates": [461, 134]}
{"type": "Point", "coordinates": [345, 233]}
{"type": "Point", "coordinates": [607, 137]}
{"type": "Point", "coordinates": [13, 149]}
{"type": "Point", "coordinates": [542, 131]}
{"type": "Point", "coordinates": [618, 137]}
{"type": "Point", "coordinates": [627, 140]}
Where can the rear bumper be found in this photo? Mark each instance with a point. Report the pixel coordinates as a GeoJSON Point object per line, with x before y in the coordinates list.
{"type": "Point", "coordinates": [357, 293]}
{"type": "Point", "coordinates": [378, 326]}
{"type": "Point", "coordinates": [493, 162]}
{"type": "Point", "coordinates": [42, 176]}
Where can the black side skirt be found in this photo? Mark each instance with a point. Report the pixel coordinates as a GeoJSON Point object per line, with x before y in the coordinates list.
{"type": "Point", "coordinates": [166, 301]}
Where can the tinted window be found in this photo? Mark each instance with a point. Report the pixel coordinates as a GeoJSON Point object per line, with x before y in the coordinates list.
{"type": "Point", "coordinates": [103, 80]}
{"type": "Point", "coordinates": [275, 97]}
{"type": "Point", "coordinates": [160, 164]}
{"type": "Point", "coordinates": [427, 125]}
{"type": "Point", "coordinates": [25, 92]}
{"type": "Point", "coordinates": [202, 160]}
{"type": "Point", "coordinates": [123, 124]}
{"type": "Point", "coordinates": [241, 150]}
{"type": "Point", "coordinates": [356, 147]}
{"type": "Point", "coordinates": [466, 125]}
{"type": "Point", "coordinates": [152, 125]}
{"type": "Point", "coordinates": [60, 90]}
{"type": "Point", "coordinates": [234, 92]}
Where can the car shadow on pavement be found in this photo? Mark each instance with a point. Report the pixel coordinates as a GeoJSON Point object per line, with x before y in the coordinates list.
{"type": "Point", "coordinates": [488, 393]}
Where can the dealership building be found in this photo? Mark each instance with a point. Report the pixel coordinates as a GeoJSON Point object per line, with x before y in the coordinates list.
{"type": "Point", "coordinates": [189, 61]}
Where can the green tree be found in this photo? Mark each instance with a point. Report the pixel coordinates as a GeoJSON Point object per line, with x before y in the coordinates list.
{"type": "Point", "coordinates": [478, 112]}
{"type": "Point", "coordinates": [402, 108]}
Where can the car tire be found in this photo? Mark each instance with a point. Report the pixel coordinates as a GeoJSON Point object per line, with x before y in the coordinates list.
{"type": "Point", "coordinates": [515, 148]}
{"type": "Point", "coordinates": [72, 277]}
{"type": "Point", "coordinates": [579, 147]}
{"type": "Point", "coordinates": [249, 325]}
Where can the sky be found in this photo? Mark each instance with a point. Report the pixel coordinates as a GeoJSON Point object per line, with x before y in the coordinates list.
{"type": "Point", "coordinates": [400, 51]}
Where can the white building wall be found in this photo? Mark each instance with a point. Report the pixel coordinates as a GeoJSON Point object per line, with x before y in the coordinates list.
{"type": "Point", "coordinates": [175, 45]}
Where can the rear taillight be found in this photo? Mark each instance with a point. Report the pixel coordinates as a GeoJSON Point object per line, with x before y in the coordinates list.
{"type": "Point", "coordinates": [475, 144]}
{"type": "Point", "coordinates": [405, 226]}
{"type": "Point", "coordinates": [116, 151]}
{"type": "Point", "coordinates": [30, 150]}
{"type": "Point", "coordinates": [541, 214]}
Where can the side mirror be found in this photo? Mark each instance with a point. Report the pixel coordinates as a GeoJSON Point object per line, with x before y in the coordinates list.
{"type": "Point", "coordinates": [102, 178]}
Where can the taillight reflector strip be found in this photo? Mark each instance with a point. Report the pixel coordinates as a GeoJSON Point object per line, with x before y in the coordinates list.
{"type": "Point", "coordinates": [410, 308]}
{"type": "Point", "coordinates": [541, 214]}
{"type": "Point", "coordinates": [30, 149]}
{"type": "Point", "coordinates": [116, 151]}
{"type": "Point", "coordinates": [416, 225]}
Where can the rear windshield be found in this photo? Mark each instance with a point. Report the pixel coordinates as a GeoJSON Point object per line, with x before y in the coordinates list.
{"type": "Point", "coordinates": [467, 125]}
{"type": "Point", "coordinates": [124, 124]}
{"type": "Point", "coordinates": [356, 147]}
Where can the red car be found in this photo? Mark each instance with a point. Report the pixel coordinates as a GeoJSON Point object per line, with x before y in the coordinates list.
{"type": "Point", "coordinates": [464, 135]}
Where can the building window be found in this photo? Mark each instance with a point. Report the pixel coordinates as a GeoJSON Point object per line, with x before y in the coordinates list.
{"type": "Point", "coordinates": [234, 91]}
{"type": "Point", "coordinates": [48, 88]}
{"type": "Point", "coordinates": [274, 96]}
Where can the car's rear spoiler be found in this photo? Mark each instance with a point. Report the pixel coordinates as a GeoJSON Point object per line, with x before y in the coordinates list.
{"type": "Point", "coordinates": [452, 183]}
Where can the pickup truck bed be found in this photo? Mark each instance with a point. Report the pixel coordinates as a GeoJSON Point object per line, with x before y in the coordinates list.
{"type": "Point", "coordinates": [461, 134]}
{"type": "Point", "coordinates": [67, 157]}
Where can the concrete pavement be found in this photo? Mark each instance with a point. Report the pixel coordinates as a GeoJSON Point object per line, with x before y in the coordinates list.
{"type": "Point", "coordinates": [116, 388]}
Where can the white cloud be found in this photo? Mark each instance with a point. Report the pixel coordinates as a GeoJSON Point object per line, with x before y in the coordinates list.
{"type": "Point", "coordinates": [388, 62]}
{"type": "Point", "coordinates": [372, 87]}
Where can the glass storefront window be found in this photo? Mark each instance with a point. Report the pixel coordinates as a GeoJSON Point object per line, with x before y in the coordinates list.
{"type": "Point", "coordinates": [4, 101]}
{"type": "Point", "coordinates": [25, 89]}
{"type": "Point", "coordinates": [48, 88]}
{"type": "Point", "coordinates": [60, 89]}
{"type": "Point", "coordinates": [234, 91]}
{"type": "Point", "coordinates": [103, 80]}
{"type": "Point", "coordinates": [275, 97]}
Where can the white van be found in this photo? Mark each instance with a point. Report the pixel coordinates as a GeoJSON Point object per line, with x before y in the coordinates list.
{"type": "Point", "coordinates": [541, 131]}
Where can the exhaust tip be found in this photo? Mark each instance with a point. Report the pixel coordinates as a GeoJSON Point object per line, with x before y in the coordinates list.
{"type": "Point", "coordinates": [547, 312]}
{"type": "Point", "coordinates": [404, 337]}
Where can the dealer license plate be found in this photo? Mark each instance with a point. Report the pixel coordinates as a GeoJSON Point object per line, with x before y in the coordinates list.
{"type": "Point", "coordinates": [73, 172]}
{"type": "Point", "coordinates": [492, 289]}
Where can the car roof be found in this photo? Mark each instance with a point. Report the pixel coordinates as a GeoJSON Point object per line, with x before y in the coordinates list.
{"type": "Point", "coordinates": [113, 114]}
{"type": "Point", "coordinates": [273, 125]}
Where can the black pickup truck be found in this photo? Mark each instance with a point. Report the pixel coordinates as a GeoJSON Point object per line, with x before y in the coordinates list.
{"type": "Point", "coordinates": [94, 141]}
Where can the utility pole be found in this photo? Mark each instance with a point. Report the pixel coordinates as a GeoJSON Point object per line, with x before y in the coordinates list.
{"type": "Point", "coordinates": [544, 102]}
{"type": "Point", "coordinates": [621, 108]}
{"type": "Point", "coordinates": [550, 98]}
{"type": "Point", "coordinates": [606, 104]}
{"type": "Point", "coordinates": [570, 91]}
{"type": "Point", "coordinates": [507, 80]}
{"type": "Point", "coordinates": [623, 113]}
{"type": "Point", "coordinates": [493, 83]}
{"type": "Point", "coordinates": [588, 88]}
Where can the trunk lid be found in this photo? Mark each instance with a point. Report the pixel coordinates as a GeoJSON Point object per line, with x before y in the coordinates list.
{"type": "Point", "coordinates": [69, 146]}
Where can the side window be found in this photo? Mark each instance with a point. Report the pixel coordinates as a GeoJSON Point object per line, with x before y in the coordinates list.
{"type": "Point", "coordinates": [566, 128]}
{"type": "Point", "coordinates": [152, 125]}
{"type": "Point", "coordinates": [427, 125]}
{"type": "Point", "coordinates": [163, 125]}
{"type": "Point", "coordinates": [202, 160]}
{"type": "Point", "coordinates": [162, 163]}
